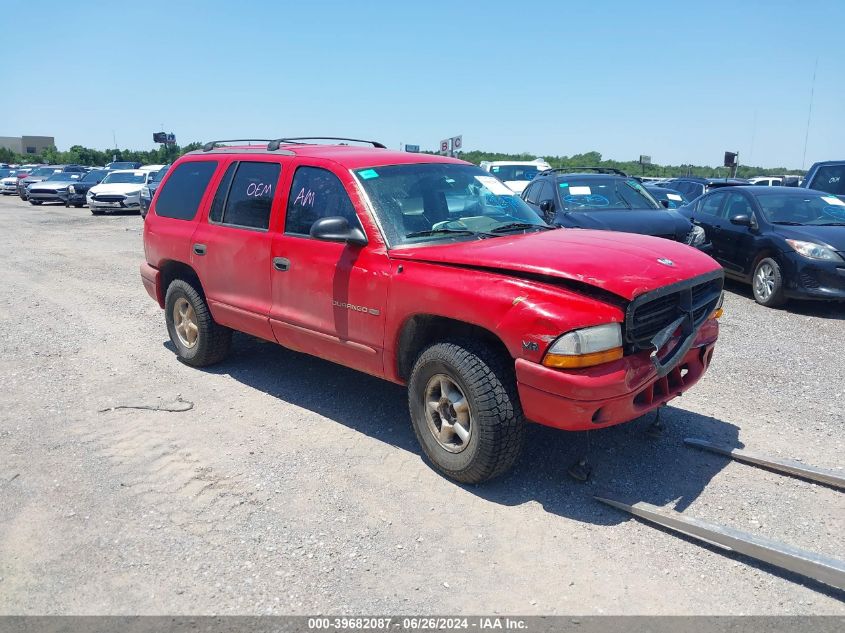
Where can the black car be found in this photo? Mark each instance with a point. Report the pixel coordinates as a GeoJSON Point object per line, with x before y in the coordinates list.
{"type": "Point", "coordinates": [76, 192]}
{"type": "Point", "coordinates": [149, 190]}
{"type": "Point", "coordinates": [669, 198]}
{"type": "Point", "coordinates": [787, 242]}
{"type": "Point", "coordinates": [606, 200]}
{"type": "Point", "coordinates": [692, 187]}
{"type": "Point", "coordinates": [827, 176]}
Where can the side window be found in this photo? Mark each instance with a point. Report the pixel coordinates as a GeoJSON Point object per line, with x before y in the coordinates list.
{"type": "Point", "coordinates": [183, 190]}
{"type": "Point", "coordinates": [711, 204]}
{"type": "Point", "coordinates": [316, 193]}
{"type": "Point", "coordinates": [737, 204]}
{"type": "Point", "coordinates": [216, 213]}
{"type": "Point", "coordinates": [251, 195]}
{"type": "Point", "coordinates": [533, 192]}
{"type": "Point", "coordinates": [547, 192]}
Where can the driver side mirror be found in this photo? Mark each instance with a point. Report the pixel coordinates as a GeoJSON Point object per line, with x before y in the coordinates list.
{"type": "Point", "coordinates": [337, 229]}
{"type": "Point", "coordinates": [664, 204]}
{"type": "Point", "coordinates": [547, 206]}
{"type": "Point", "coordinates": [742, 220]}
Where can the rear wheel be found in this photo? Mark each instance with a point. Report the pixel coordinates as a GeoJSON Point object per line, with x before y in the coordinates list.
{"type": "Point", "coordinates": [198, 339]}
{"type": "Point", "coordinates": [465, 411]}
{"type": "Point", "coordinates": [767, 283]}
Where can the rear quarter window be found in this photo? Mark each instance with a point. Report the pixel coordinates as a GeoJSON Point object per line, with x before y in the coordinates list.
{"type": "Point", "coordinates": [830, 178]}
{"type": "Point", "coordinates": [180, 195]}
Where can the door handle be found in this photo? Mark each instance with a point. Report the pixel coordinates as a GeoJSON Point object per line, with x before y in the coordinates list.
{"type": "Point", "coordinates": [199, 249]}
{"type": "Point", "coordinates": [281, 263]}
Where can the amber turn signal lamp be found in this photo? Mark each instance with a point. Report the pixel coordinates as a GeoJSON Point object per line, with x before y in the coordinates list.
{"type": "Point", "coordinates": [566, 361]}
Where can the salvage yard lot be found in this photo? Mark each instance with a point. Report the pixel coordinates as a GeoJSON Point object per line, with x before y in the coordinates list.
{"type": "Point", "coordinates": [295, 485]}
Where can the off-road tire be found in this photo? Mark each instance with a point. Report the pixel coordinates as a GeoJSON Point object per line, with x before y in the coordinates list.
{"type": "Point", "coordinates": [213, 340]}
{"type": "Point", "coordinates": [488, 382]}
{"type": "Point", "coordinates": [777, 297]}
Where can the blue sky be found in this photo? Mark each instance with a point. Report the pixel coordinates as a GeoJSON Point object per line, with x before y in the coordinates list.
{"type": "Point", "coordinates": [680, 81]}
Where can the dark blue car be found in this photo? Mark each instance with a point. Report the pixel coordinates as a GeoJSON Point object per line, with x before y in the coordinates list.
{"type": "Point", "coordinates": [606, 200]}
{"type": "Point", "coordinates": [787, 242]}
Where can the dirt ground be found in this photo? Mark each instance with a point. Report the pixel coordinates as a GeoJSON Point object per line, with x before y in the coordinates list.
{"type": "Point", "coordinates": [295, 485]}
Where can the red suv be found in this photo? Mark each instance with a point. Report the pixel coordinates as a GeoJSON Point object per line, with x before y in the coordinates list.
{"type": "Point", "coordinates": [428, 272]}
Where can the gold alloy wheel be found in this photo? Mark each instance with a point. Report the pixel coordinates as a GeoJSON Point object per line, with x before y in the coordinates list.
{"type": "Point", "coordinates": [447, 413]}
{"type": "Point", "coordinates": [185, 322]}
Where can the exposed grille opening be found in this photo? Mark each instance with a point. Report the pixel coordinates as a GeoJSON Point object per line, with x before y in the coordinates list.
{"type": "Point", "coordinates": [673, 382]}
{"type": "Point", "coordinates": [650, 313]}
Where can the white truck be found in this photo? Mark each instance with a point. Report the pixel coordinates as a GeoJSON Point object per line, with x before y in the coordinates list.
{"type": "Point", "coordinates": [515, 174]}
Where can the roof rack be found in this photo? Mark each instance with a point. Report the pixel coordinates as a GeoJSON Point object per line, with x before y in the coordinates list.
{"type": "Point", "coordinates": [273, 145]}
{"type": "Point", "coordinates": [575, 170]}
{"type": "Point", "coordinates": [212, 144]}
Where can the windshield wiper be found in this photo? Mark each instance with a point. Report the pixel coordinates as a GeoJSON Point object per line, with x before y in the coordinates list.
{"type": "Point", "coordinates": [830, 224]}
{"type": "Point", "coordinates": [444, 230]}
{"type": "Point", "coordinates": [789, 223]}
{"type": "Point", "coordinates": [516, 226]}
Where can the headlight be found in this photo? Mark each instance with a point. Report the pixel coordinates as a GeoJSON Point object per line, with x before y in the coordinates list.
{"type": "Point", "coordinates": [71, 189]}
{"type": "Point", "coordinates": [811, 250]}
{"type": "Point", "coordinates": [145, 191]}
{"type": "Point", "coordinates": [696, 237]}
{"type": "Point", "coordinates": [586, 347]}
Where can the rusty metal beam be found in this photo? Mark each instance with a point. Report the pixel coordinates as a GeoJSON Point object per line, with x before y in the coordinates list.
{"type": "Point", "coordinates": [821, 568]}
{"type": "Point", "coordinates": [787, 466]}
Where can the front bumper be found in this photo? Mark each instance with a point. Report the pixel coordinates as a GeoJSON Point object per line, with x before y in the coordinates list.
{"type": "Point", "coordinates": [612, 393]}
{"type": "Point", "coordinates": [813, 279]}
{"type": "Point", "coordinates": [45, 196]}
{"type": "Point", "coordinates": [115, 203]}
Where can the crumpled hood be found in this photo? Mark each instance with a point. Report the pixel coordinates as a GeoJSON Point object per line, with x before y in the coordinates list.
{"type": "Point", "coordinates": [621, 263]}
{"type": "Point", "coordinates": [646, 221]}
{"type": "Point", "coordinates": [117, 188]}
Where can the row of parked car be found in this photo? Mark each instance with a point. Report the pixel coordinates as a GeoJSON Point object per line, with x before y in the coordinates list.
{"type": "Point", "coordinates": [783, 235]}
{"type": "Point", "coordinates": [118, 186]}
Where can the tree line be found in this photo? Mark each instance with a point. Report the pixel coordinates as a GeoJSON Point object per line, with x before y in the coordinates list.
{"type": "Point", "coordinates": [594, 159]}
{"type": "Point", "coordinates": [80, 155]}
{"type": "Point", "coordinates": [168, 153]}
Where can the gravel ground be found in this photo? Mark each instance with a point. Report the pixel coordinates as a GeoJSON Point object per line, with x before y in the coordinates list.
{"type": "Point", "coordinates": [295, 485]}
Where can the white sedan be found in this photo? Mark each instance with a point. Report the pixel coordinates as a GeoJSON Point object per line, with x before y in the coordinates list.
{"type": "Point", "coordinates": [120, 190]}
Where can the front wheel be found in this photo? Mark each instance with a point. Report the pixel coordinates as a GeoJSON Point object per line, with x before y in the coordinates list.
{"type": "Point", "coordinates": [198, 339]}
{"type": "Point", "coordinates": [465, 411]}
{"type": "Point", "coordinates": [767, 283]}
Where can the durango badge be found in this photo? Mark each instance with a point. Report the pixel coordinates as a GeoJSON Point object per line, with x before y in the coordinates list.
{"type": "Point", "coordinates": [665, 261]}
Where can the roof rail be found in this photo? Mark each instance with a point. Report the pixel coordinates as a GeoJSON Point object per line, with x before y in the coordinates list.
{"type": "Point", "coordinates": [272, 146]}
{"type": "Point", "coordinates": [212, 144]}
{"type": "Point", "coordinates": [575, 170]}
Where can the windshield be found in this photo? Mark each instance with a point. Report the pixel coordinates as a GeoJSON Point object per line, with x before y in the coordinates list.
{"type": "Point", "coordinates": [830, 178]}
{"type": "Point", "coordinates": [124, 165]}
{"type": "Point", "coordinates": [514, 172]}
{"type": "Point", "coordinates": [809, 208]}
{"type": "Point", "coordinates": [7, 172]}
{"type": "Point", "coordinates": [674, 199]}
{"type": "Point", "coordinates": [160, 174]}
{"type": "Point", "coordinates": [94, 176]}
{"type": "Point", "coordinates": [123, 177]}
{"type": "Point", "coordinates": [63, 176]}
{"type": "Point", "coordinates": [424, 202]}
{"type": "Point", "coordinates": [603, 194]}
{"type": "Point", "coordinates": [44, 171]}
